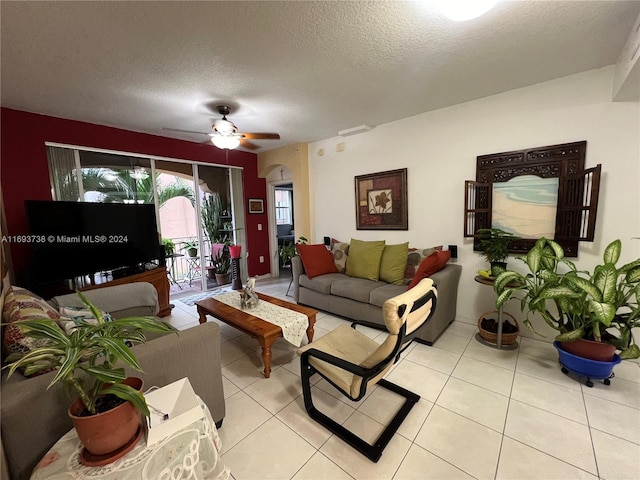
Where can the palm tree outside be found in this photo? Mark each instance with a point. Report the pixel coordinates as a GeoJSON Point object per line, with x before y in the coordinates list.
{"type": "Point", "coordinates": [119, 185]}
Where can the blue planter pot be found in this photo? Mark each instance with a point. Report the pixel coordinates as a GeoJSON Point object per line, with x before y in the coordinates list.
{"type": "Point", "coordinates": [584, 367]}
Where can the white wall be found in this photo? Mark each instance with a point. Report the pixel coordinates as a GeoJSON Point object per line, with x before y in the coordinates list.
{"type": "Point", "coordinates": [439, 149]}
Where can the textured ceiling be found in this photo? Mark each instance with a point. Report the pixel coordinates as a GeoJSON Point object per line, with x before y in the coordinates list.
{"type": "Point", "coordinates": [302, 69]}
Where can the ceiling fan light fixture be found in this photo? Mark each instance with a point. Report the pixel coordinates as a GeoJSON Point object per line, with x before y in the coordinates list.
{"type": "Point", "coordinates": [139, 173]}
{"type": "Point", "coordinates": [228, 142]}
{"type": "Point", "coordinates": [224, 127]}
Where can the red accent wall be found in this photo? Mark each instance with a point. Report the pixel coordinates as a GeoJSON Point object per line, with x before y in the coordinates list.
{"type": "Point", "coordinates": [25, 174]}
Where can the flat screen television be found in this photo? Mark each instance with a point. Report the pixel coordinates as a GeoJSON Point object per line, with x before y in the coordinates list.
{"type": "Point", "coordinates": [71, 239]}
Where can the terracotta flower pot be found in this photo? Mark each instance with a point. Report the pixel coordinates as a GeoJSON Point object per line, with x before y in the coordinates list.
{"type": "Point", "coordinates": [600, 351]}
{"type": "Point", "coordinates": [109, 431]}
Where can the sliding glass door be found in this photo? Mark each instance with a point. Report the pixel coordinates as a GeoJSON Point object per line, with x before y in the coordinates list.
{"type": "Point", "coordinates": [200, 208]}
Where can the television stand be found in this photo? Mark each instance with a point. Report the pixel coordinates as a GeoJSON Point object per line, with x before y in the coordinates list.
{"type": "Point", "coordinates": [156, 277]}
{"type": "Point", "coordinates": [126, 271]}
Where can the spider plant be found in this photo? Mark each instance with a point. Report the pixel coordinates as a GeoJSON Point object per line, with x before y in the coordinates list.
{"type": "Point", "coordinates": [90, 352]}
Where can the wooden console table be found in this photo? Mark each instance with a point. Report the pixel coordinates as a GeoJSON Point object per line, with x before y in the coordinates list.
{"type": "Point", "coordinates": [156, 277]}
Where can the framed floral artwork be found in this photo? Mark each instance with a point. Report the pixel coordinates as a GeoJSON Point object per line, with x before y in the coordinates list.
{"type": "Point", "coordinates": [381, 201]}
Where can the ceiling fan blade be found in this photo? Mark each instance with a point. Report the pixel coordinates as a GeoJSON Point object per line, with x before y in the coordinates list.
{"type": "Point", "coordinates": [260, 136]}
{"type": "Point", "coordinates": [247, 144]}
{"type": "Point", "coordinates": [183, 131]}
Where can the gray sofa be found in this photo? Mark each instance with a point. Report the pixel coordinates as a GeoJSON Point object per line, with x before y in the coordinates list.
{"type": "Point", "coordinates": [33, 418]}
{"type": "Point", "coordinates": [361, 300]}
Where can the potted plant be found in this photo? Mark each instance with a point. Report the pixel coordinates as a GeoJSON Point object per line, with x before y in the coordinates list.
{"type": "Point", "coordinates": [89, 355]}
{"type": "Point", "coordinates": [211, 211]}
{"type": "Point", "coordinates": [598, 308]}
{"type": "Point", "coordinates": [169, 246]}
{"type": "Point", "coordinates": [494, 245]}
{"type": "Point", "coordinates": [221, 267]}
{"type": "Point", "coordinates": [191, 247]}
{"type": "Point", "coordinates": [288, 250]}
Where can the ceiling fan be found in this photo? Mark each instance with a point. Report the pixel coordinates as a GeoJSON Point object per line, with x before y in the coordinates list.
{"type": "Point", "coordinates": [225, 134]}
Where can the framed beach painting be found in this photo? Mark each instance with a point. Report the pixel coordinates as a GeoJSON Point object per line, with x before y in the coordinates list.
{"type": "Point", "coordinates": [381, 201]}
{"type": "Point", "coordinates": [526, 206]}
{"type": "Point", "coordinates": [533, 193]}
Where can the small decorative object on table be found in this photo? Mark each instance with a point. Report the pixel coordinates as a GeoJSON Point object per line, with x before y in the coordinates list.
{"type": "Point", "coordinates": [248, 296]}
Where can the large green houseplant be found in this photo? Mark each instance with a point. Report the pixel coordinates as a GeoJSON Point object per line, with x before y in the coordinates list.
{"type": "Point", "coordinates": [86, 361]}
{"type": "Point", "coordinates": [601, 305]}
{"type": "Point", "coordinates": [211, 211]}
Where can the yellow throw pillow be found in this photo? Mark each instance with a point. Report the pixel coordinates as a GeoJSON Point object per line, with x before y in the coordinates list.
{"type": "Point", "coordinates": [394, 263]}
{"type": "Point", "coordinates": [364, 259]}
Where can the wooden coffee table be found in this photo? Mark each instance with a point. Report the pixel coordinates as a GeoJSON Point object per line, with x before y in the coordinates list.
{"type": "Point", "coordinates": [266, 333]}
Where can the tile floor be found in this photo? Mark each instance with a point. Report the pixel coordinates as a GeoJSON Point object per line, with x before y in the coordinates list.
{"type": "Point", "coordinates": [483, 414]}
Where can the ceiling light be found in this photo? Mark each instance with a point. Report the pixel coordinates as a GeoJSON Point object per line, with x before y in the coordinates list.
{"type": "Point", "coordinates": [228, 142]}
{"type": "Point", "coordinates": [139, 173]}
{"type": "Point", "coordinates": [109, 175]}
{"type": "Point", "coordinates": [224, 127]}
{"type": "Point", "coordinates": [462, 10]}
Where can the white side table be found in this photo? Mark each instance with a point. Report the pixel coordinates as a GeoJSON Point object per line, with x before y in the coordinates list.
{"type": "Point", "coordinates": [191, 453]}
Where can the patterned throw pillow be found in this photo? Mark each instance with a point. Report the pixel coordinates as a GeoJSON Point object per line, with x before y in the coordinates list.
{"type": "Point", "coordinates": [340, 250]}
{"type": "Point", "coordinates": [21, 304]}
{"type": "Point", "coordinates": [414, 259]}
{"type": "Point", "coordinates": [72, 316]}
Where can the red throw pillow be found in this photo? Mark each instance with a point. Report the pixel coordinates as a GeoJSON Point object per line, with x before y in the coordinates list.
{"type": "Point", "coordinates": [317, 260]}
{"type": "Point", "coordinates": [430, 265]}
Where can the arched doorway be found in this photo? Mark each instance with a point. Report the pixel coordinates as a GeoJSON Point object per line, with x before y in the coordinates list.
{"type": "Point", "coordinates": [282, 235]}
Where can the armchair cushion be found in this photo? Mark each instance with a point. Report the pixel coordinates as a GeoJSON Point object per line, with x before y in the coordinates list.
{"type": "Point", "coordinates": [348, 344]}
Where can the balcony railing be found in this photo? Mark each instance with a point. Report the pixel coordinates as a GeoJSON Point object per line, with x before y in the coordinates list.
{"type": "Point", "coordinates": [183, 267]}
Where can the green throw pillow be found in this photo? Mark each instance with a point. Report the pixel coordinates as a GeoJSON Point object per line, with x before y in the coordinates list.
{"type": "Point", "coordinates": [364, 258]}
{"type": "Point", "coordinates": [394, 263]}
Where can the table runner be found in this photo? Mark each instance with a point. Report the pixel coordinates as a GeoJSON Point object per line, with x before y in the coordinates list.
{"type": "Point", "coordinates": [294, 324]}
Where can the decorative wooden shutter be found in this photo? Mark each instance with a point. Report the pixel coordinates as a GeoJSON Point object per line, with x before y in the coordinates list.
{"type": "Point", "coordinates": [477, 207]}
{"type": "Point", "coordinates": [578, 205]}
